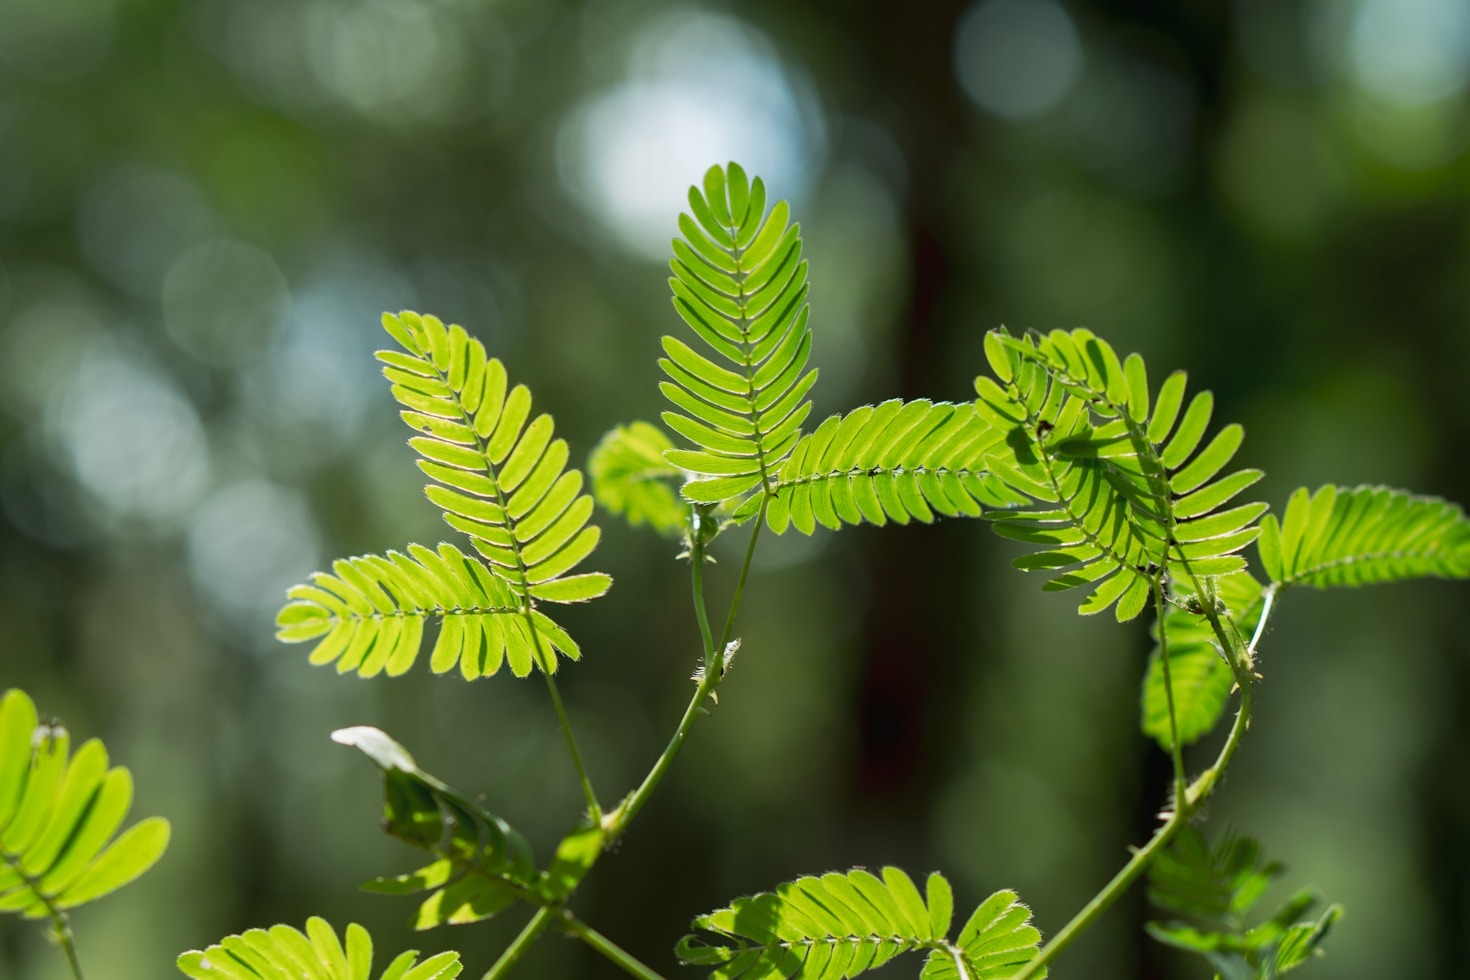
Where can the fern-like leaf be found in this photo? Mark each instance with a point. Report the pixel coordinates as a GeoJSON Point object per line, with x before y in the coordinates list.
{"type": "Point", "coordinates": [282, 951]}
{"type": "Point", "coordinates": [631, 478]}
{"type": "Point", "coordinates": [898, 461]}
{"type": "Point", "coordinates": [370, 616]}
{"type": "Point", "coordinates": [499, 480]}
{"type": "Point", "coordinates": [1201, 677]}
{"type": "Point", "coordinates": [1213, 893]}
{"type": "Point", "coordinates": [1123, 492]}
{"type": "Point", "coordinates": [840, 925]}
{"type": "Point", "coordinates": [482, 865]}
{"type": "Point", "coordinates": [740, 284]}
{"type": "Point", "coordinates": [1351, 536]}
{"type": "Point", "coordinates": [59, 817]}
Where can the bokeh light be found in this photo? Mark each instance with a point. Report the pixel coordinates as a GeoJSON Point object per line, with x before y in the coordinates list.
{"type": "Point", "coordinates": [702, 89]}
{"type": "Point", "coordinates": [1017, 58]}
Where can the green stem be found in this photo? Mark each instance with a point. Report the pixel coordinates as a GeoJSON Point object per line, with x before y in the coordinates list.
{"type": "Point", "coordinates": [60, 924]}
{"type": "Point", "coordinates": [629, 963]}
{"type": "Point", "coordinates": [1194, 795]}
{"type": "Point", "coordinates": [709, 679]}
{"type": "Point", "coordinates": [760, 520]}
{"type": "Point", "coordinates": [1176, 753]}
{"type": "Point", "coordinates": [594, 809]}
{"type": "Point", "coordinates": [524, 940]}
{"type": "Point", "coordinates": [696, 574]}
{"type": "Point", "coordinates": [68, 944]}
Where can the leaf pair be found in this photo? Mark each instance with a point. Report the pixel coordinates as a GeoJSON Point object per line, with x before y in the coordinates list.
{"type": "Point", "coordinates": [840, 925]}
{"type": "Point", "coordinates": [59, 817]}
{"type": "Point", "coordinates": [1123, 489]}
{"type": "Point", "coordinates": [316, 954]}
{"type": "Point", "coordinates": [499, 477]}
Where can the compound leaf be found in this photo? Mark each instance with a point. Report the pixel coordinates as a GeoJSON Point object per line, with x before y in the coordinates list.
{"type": "Point", "coordinates": [898, 461]}
{"type": "Point", "coordinates": [631, 478]}
{"type": "Point", "coordinates": [1213, 891]}
{"type": "Point", "coordinates": [317, 954]}
{"type": "Point", "coordinates": [370, 615]}
{"type": "Point", "coordinates": [1352, 536]}
{"type": "Point", "coordinates": [482, 865]}
{"type": "Point", "coordinates": [59, 818]}
{"type": "Point", "coordinates": [740, 284]}
{"type": "Point", "coordinates": [840, 925]}
{"type": "Point", "coordinates": [1121, 491]}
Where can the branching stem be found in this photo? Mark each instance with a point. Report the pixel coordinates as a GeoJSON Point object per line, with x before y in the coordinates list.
{"type": "Point", "coordinates": [626, 961]}
{"type": "Point", "coordinates": [709, 679]}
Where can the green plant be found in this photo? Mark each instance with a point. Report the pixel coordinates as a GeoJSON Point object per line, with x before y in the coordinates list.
{"type": "Point", "coordinates": [1111, 487]}
{"type": "Point", "coordinates": [59, 817]}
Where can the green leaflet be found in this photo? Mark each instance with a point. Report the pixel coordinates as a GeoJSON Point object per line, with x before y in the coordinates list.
{"type": "Point", "coordinates": [898, 461]}
{"type": "Point", "coordinates": [1214, 891]}
{"type": "Point", "coordinates": [59, 818]}
{"type": "Point", "coordinates": [840, 925]}
{"type": "Point", "coordinates": [1352, 536]}
{"type": "Point", "coordinates": [1124, 485]}
{"type": "Point", "coordinates": [316, 954]}
{"type": "Point", "coordinates": [631, 478]}
{"type": "Point", "coordinates": [739, 283]}
{"type": "Point", "coordinates": [482, 865]}
{"type": "Point", "coordinates": [501, 479]}
{"type": "Point", "coordinates": [1201, 677]}
{"type": "Point", "coordinates": [500, 476]}
{"type": "Point", "coordinates": [369, 616]}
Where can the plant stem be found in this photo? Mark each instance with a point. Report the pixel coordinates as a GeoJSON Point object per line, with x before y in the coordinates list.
{"type": "Point", "coordinates": [68, 943]}
{"type": "Point", "coordinates": [524, 940]}
{"type": "Point", "coordinates": [1194, 795]}
{"type": "Point", "coordinates": [696, 575]}
{"type": "Point", "coordinates": [629, 963]}
{"type": "Point", "coordinates": [760, 520]}
{"type": "Point", "coordinates": [1176, 753]}
{"type": "Point", "coordinates": [594, 809]}
{"type": "Point", "coordinates": [710, 678]}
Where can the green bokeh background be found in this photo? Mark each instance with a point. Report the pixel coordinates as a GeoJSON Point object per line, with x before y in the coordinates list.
{"type": "Point", "coordinates": [204, 205]}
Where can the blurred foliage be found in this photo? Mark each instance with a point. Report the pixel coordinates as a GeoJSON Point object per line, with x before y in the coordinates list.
{"type": "Point", "coordinates": [205, 205]}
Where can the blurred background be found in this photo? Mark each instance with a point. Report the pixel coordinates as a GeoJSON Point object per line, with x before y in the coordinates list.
{"type": "Point", "coordinates": [205, 204]}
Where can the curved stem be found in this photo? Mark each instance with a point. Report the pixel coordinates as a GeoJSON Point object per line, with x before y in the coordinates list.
{"type": "Point", "coordinates": [696, 575]}
{"type": "Point", "coordinates": [524, 940]}
{"type": "Point", "coordinates": [629, 963]}
{"type": "Point", "coordinates": [760, 520]}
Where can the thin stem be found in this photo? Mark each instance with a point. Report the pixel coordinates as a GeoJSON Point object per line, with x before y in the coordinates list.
{"type": "Point", "coordinates": [1176, 753]}
{"type": "Point", "coordinates": [1196, 794]}
{"type": "Point", "coordinates": [709, 679]}
{"type": "Point", "coordinates": [524, 940]}
{"type": "Point", "coordinates": [1100, 902]}
{"type": "Point", "coordinates": [60, 924]}
{"type": "Point", "coordinates": [593, 807]}
{"type": "Point", "coordinates": [760, 520]}
{"type": "Point", "coordinates": [629, 963]}
{"type": "Point", "coordinates": [696, 575]}
{"type": "Point", "coordinates": [68, 944]}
